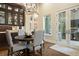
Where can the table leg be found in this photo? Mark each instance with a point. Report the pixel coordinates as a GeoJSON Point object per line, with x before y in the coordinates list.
{"type": "Point", "coordinates": [28, 51]}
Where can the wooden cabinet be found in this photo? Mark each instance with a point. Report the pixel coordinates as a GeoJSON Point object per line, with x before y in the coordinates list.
{"type": "Point", "coordinates": [3, 39]}
{"type": "Point", "coordinates": [11, 14]}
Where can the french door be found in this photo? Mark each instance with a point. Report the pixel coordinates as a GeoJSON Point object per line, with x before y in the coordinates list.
{"type": "Point", "coordinates": [62, 25]}
{"type": "Point", "coordinates": [68, 26]}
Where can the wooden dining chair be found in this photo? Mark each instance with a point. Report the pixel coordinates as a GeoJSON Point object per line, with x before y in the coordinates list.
{"type": "Point", "coordinates": [13, 48]}
{"type": "Point", "coordinates": [37, 44]}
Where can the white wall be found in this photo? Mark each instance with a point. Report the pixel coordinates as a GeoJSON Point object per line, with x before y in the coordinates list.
{"type": "Point", "coordinates": [27, 23]}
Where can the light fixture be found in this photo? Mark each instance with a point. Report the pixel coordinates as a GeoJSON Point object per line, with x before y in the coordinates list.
{"type": "Point", "coordinates": [35, 15]}
{"type": "Point", "coordinates": [31, 8]}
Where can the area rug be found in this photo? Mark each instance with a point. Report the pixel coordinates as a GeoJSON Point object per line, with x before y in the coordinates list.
{"type": "Point", "coordinates": [65, 50]}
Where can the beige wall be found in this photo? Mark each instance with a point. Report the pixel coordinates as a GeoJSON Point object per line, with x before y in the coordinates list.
{"type": "Point", "coordinates": [52, 9]}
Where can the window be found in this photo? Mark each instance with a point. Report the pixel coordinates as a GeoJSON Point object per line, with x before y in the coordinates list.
{"type": "Point", "coordinates": [47, 24]}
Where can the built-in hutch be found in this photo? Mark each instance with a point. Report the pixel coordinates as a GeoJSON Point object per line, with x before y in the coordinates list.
{"type": "Point", "coordinates": [11, 14]}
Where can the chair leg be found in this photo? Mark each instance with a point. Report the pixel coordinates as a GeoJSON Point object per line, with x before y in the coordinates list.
{"type": "Point", "coordinates": [11, 51]}
{"type": "Point", "coordinates": [33, 50]}
{"type": "Point", "coordinates": [8, 52]}
{"type": "Point", "coordinates": [24, 51]}
{"type": "Point", "coordinates": [41, 51]}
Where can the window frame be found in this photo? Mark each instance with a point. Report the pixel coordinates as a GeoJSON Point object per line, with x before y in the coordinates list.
{"type": "Point", "coordinates": [50, 32]}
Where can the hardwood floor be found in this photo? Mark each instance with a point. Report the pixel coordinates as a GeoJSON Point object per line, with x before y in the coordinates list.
{"type": "Point", "coordinates": [50, 52]}
{"type": "Point", "coordinates": [46, 51]}
{"type": "Point", "coordinates": [3, 52]}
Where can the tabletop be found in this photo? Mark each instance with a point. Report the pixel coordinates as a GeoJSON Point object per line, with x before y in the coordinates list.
{"type": "Point", "coordinates": [23, 38]}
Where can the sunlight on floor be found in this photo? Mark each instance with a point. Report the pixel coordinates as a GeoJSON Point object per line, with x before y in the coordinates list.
{"type": "Point", "coordinates": [65, 50]}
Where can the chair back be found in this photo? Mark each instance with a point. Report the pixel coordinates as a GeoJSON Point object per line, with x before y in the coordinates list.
{"type": "Point", "coordinates": [9, 38]}
{"type": "Point", "coordinates": [38, 38]}
{"type": "Point", "coordinates": [21, 32]}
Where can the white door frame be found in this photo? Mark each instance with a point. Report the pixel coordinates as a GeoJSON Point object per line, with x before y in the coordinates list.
{"type": "Point", "coordinates": [68, 22]}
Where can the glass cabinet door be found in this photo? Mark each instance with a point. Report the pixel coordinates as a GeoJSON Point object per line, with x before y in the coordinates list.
{"type": "Point", "coordinates": [16, 9]}
{"type": "Point", "coordinates": [11, 14]}
{"type": "Point", "coordinates": [15, 19]}
{"type": "Point", "coordinates": [9, 8]}
{"type": "Point", "coordinates": [10, 18]}
{"type": "Point", "coordinates": [2, 17]}
{"type": "Point", "coordinates": [21, 20]}
{"type": "Point", "coordinates": [2, 5]}
{"type": "Point", "coordinates": [21, 10]}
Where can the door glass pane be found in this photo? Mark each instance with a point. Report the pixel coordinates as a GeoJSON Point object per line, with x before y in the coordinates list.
{"type": "Point", "coordinates": [62, 18]}
{"type": "Point", "coordinates": [75, 14]}
{"type": "Point", "coordinates": [2, 5]}
{"type": "Point", "coordinates": [75, 24]}
{"type": "Point", "coordinates": [2, 17]}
